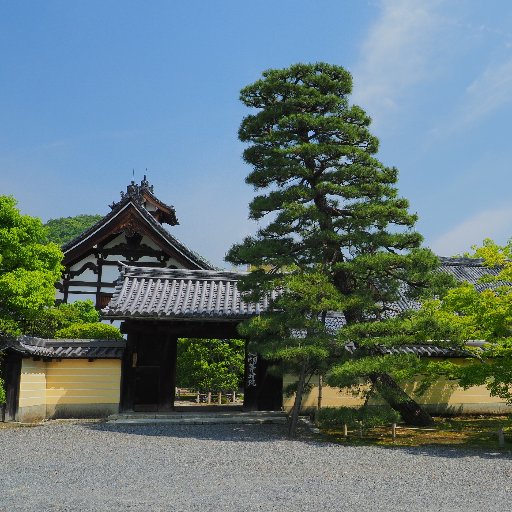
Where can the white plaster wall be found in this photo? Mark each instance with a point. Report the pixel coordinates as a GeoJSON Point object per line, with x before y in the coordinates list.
{"type": "Point", "coordinates": [109, 273]}
{"type": "Point", "coordinates": [172, 261]}
{"type": "Point", "coordinates": [87, 275]}
{"type": "Point", "coordinates": [89, 259]}
{"type": "Point", "coordinates": [147, 259]}
{"type": "Point", "coordinates": [119, 239]}
{"type": "Point", "coordinates": [74, 288]}
{"type": "Point", "coordinates": [147, 241]}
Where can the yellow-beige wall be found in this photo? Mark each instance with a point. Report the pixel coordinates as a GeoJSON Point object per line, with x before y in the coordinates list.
{"type": "Point", "coordinates": [32, 397]}
{"type": "Point", "coordinates": [69, 388]}
{"type": "Point", "coordinates": [331, 397]}
{"type": "Point", "coordinates": [444, 397]}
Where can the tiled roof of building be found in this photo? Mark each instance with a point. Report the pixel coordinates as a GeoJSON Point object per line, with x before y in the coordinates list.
{"type": "Point", "coordinates": [422, 350]}
{"type": "Point", "coordinates": [63, 348]}
{"type": "Point", "coordinates": [180, 294]}
{"type": "Point", "coordinates": [153, 224]}
{"type": "Point", "coordinates": [471, 270]}
{"type": "Point", "coordinates": [176, 294]}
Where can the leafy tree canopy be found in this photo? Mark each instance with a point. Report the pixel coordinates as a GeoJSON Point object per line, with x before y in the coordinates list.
{"type": "Point", "coordinates": [486, 315]}
{"type": "Point", "coordinates": [65, 229]}
{"type": "Point", "coordinates": [210, 365]}
{"type": "Point", "coordinates": [29, 267]}
{"type": "Point", "coordinates": [329, 200]}
{"type": "Point", "coordinates": [50, 320]}
{"type": "Point", "coordinates": [464, 313]}
{"type": "Point", "coordinates": [79, 319]}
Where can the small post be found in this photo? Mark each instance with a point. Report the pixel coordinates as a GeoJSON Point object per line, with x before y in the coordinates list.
{"type": "Point", "coordinates": [209, 397]}
{"type": "Point", "coordinates": [393, 431]}
{"type": "Point", "coordinates": [198, 399]}
{"type": "Point", "coordinates": [501, 438]}
{"type": "Point", "coordinates": [178, 392]}
{"type": "Point", "coordinates": [345, 430]}
{"type": "Point", "coordinates": [220, 397]}
{"type": "Point", "coordinates": [234, 396]}
{"type": "Point", "coordinates": [320, 386]}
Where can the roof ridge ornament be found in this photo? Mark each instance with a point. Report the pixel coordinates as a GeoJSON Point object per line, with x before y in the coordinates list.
{"type": "Point", "coordinates": [143, 195]}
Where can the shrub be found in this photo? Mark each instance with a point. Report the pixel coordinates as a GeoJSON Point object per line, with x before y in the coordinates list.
{"type": "Point", "coordinates": [352, 417]}
{"type": "Point", "coordinates": [97, 331]}
{"type": "Point", "coordinates": [337, 416]}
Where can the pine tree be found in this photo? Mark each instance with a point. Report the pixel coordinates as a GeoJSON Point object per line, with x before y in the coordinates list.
{"type": "Point", "coordinates": [332, 206]}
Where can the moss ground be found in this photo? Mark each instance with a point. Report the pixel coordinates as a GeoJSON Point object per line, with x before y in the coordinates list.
{"type": "Point", "coordinates": [464, 432]}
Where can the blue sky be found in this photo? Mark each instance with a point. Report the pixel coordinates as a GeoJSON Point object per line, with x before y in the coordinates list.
{"type": "Point", "coordinates": [91, 90]}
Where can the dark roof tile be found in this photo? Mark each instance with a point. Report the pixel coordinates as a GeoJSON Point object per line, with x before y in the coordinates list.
{"type": "Point", "coordinates": [180, 294]}
{"type": "Point", "coordinates": [65, 349]}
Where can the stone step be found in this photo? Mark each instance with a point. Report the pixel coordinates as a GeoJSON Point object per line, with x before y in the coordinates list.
{"type": "Point", "coordinates": [181, 418]}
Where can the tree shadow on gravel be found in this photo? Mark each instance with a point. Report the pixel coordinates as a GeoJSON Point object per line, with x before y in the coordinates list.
{"type": "Point", "coordinates": [264, 433]}
{"type": "Point", "coordinates": [431, 450]}
{"type": "Point", "coordinates": [450, 452]}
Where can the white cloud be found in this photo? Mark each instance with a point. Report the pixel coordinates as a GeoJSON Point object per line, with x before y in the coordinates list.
{"type": "Point", "coordinates": [489, 92]}
{"type": "Point", "coordinates": [494, 223]}
{"type": "Point", "coordinates": [395, 54]}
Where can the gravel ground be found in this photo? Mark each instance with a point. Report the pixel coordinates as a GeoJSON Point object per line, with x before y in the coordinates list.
{"type": "Point", "coordinates": [97, 466]}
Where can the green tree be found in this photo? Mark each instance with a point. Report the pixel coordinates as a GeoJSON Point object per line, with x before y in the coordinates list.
{"type": "Point", "coordinates": [65, 229]}
{"type": "Point", "coordinates": [370, 370]}
{"type": "Point", "coordinates": [49, 320]}
{"type": "Point", "coordinates": [485, 313]}
{"type": "Point", "coordinates": [79, 319]}
{"type": "Point", "coordinates": [332, 207]}
{"type": "Point", "coordinates": [29, 268]}
{"type": "Point", "coordinates": [210, 364]}
{"type": "Point", "coordinates": [2, 392]}
{"type": "Point", "coordinates": [465, 312]}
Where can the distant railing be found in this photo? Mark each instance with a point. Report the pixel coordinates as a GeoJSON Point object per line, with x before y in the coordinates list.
{"type": "Point", "coordinates": [209, 397]}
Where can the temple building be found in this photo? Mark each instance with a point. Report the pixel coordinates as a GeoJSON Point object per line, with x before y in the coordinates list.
{"type": "Point", "coordinates": [158, 290]}
{"type": "Point", "coordinates": [133, 234]}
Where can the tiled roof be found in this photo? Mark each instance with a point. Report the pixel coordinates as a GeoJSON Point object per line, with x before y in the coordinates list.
{"type": "Point", "coordinates": [471, 270]}
{"type": "Point", "coordinates": [153, 223]}
{"type": "Point", "coordinates": [63, 348]}
{"type": "Point", "coordinates": [421, 350]}
{"type": "Point", "coordinates": [176, 294]}
{"type": "Point", "coordinates": [180, 294]}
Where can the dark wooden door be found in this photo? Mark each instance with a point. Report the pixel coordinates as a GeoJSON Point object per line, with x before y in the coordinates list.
{"type": "Point", "coordinates": [147, 370]}
{"type": "Point", "coordinates": [152, 374]}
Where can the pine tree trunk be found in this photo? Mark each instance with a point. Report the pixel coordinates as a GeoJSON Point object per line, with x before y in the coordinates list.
{"type": "Point", "coordinates": [412, 413]}
{"type": "Point", "coordinates": [292, 428]}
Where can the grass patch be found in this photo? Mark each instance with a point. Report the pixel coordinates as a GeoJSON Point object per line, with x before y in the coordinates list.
{"type": "Point", "coordinates": [14, 424]}
{"type": "Point", "coordinates": [464, 432]}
